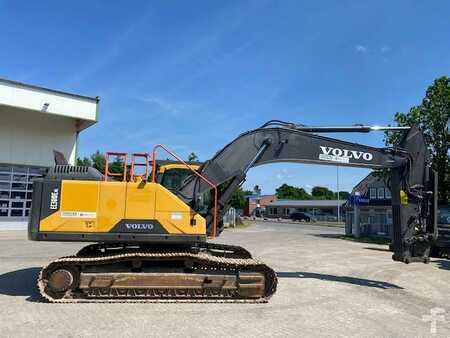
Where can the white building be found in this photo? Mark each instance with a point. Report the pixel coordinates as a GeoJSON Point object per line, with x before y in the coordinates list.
{"type": "Point", "coordinates": [34, 121]}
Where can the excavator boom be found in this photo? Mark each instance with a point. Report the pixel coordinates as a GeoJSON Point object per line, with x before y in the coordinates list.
{"type": "Point", "coordinates": [407, 164]}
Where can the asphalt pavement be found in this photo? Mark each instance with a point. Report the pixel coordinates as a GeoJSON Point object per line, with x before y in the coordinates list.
{"type": "Point", "coordinates": [327, 287]}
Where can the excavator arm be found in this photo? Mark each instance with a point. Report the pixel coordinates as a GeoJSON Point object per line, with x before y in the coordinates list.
{"type": "Point", "coordinates": [412, 182]}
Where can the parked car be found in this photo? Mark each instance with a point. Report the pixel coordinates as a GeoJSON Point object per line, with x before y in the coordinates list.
{"type": "Point", "coordinates": [301, 216]}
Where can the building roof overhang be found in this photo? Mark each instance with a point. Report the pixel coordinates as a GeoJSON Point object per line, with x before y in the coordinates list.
{"type": "Point", "coordinates": [31, 98]}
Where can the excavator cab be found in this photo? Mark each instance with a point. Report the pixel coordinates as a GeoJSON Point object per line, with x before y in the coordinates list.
{"type": "Point", "coordinates": [171, 174]}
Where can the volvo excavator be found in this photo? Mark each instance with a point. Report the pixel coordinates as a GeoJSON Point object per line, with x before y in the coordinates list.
{"type": "Point", "coordinates": [151, 231]}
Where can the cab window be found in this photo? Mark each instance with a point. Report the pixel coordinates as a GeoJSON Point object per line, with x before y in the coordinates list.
{"type": "Point", "coordinates": [172, 179]}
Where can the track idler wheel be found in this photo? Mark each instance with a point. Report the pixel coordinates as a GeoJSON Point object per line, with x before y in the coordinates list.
{"type": "Point", "coordinates": [60, 281]}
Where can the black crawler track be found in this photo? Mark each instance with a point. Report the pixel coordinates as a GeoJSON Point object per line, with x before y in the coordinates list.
{"type": "Point", "coordinates": [206, 258]}
{"type": "Point", "coordinates": [216, 249]}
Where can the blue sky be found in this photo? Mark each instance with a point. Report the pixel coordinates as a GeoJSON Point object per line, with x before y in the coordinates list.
{"type": "Point", "coordinates": [195, 74]}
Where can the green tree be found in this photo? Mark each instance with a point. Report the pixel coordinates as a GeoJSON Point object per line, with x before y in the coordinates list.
{"type": "Point", "coordinates": [192, 157]}
{"type": "Point", "coordinates": [322, 193]}
{"type": "Point", "coordinates": [432, 116]}
{"type": "Point", "coordinates": [238, 199]}
{"type": "Point", "coordinates": [85, 162]}
{"type": "Point", "coordinates": [257, 190]}
{"type": "Point", "coordinates": [248, 192]}
{"type": "Point", "coordinates": [343, 195]}
{"type": "Point", "coordinates": [289, 192]}
{"type": "Point", "coordinates": [98, 161]}
{"type": "Point", "coordinates": [116, 166]}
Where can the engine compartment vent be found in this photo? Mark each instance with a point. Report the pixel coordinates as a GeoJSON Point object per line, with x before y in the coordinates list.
{"type": "Point", "coordinates": [70, 172]}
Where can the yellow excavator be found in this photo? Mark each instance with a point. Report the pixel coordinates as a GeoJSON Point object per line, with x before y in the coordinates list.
{"type": "Point", "coordinates": [151, 230]}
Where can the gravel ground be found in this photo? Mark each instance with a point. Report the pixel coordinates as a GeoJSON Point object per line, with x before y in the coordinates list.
{"type": "Point", "coordinates": [327, 287]}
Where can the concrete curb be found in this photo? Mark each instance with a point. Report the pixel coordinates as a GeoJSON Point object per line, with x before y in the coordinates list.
{"type": "Point", "coordinates": [13, 225]}
{"type": "Point", "coordinates": [323, 224]}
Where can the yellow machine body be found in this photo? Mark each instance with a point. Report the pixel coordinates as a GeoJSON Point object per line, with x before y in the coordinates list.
{"type": "Point", "coordinates": [176, 166]}
{"type": "Point", "coordinates": [89, 206]}
{"type": "Point", "coordinates": [137, 211]}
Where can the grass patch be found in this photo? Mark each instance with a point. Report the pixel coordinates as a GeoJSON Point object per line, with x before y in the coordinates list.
{"type": "Point", "coordinates": [241, 224]}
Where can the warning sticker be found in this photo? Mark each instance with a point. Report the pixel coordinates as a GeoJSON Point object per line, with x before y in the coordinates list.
{"type": "Point", "coordinates": [334, 158]}
{"type": "Point", "coordinates": [78, 214]}
{"type": "Point", "coordinates": [176, 216]}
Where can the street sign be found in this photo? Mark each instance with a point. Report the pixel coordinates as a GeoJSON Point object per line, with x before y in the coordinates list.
{"type": "Point", "coordinates": [358, 199]}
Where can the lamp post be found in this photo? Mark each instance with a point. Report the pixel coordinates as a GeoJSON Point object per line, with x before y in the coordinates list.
{"type": "Point", "coordinates": [339, 204]}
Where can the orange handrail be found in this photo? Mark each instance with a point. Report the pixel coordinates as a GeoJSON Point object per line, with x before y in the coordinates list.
{"type": "Point", "coordinates": [116, 154]}
{"type": "Point", "coordinates": [134, 164]}
{"type": "Point", "coordinates": [214, 232]}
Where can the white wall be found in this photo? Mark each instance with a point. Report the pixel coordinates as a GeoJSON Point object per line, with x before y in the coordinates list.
{"type": "Point", "coordinates": [29, 137]}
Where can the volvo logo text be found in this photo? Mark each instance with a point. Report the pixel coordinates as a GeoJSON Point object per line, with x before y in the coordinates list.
{"type": "Point", "coordinates": [139, 226]}
{"type": "Point", "coordinates": [345, 153]}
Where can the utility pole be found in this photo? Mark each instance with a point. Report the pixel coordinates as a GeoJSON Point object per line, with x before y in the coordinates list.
{"type": "Point", "coordinates": [337, 184]}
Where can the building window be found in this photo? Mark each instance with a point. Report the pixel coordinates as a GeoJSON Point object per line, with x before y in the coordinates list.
{"type": "Point", "coordinates": [389, 218]}
{"type": "Point", "coordinates": [16, 204]}
{"type": "Point", "coordinates": [380, 193]}
{"type": "Point", "coordinates": [387, 193]}
{"type": "Point", "coordinates": [5, 177]}
{"type": "Point", "coordinates": [16, 185]}
{"type": "Point", "coordinates": [275, 211]}
{"type": "Point", "coordinates": [373, 193]}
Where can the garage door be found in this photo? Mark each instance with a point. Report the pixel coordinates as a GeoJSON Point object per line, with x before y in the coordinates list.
{"type": "Point", "coordinates": [16, 186]}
